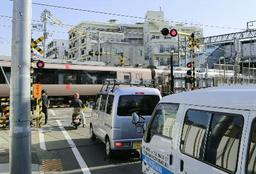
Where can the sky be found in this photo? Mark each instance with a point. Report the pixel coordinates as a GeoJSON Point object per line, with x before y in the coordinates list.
{"type": "Point", "coordinates": [214, 16]}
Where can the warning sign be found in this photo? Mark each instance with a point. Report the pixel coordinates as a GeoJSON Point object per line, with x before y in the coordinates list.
{"type": "Point", "coordinates": [37, 88]}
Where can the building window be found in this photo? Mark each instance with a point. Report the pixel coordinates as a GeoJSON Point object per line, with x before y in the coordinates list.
{"type": "Point", "coordinates": [83, 40]}
{"type": "Point", "coordinates": [82, 52]}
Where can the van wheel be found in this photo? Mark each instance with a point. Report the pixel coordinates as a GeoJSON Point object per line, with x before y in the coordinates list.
{"type": "Point", "coordinates": [92, 135]}
{"type": "Point", "coordinates": [108, 149]}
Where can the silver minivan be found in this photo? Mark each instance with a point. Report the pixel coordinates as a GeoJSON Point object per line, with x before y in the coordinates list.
{"type": "Point", "coordinates": [111, 119]}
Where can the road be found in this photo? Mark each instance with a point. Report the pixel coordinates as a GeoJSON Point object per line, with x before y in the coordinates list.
{"type": "Point", "coordinates": [58, 148]}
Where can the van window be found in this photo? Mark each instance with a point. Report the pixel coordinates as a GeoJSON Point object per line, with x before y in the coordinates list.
{"type": "Point", "coordinates": [142, 104]}
{"type": "Point", "coordinates": [212, 137]}
{"type": "Point", "coordinates": [251, 157]}
{"type": "Point", "coordinates": [194, 131]}
{"type": "Point", "coordinates": [103, 103]}
{"type": "Point", "coordinates": [223, 140]}
{"type": "Point", "coordinates": [110, 104]}
{"type": "Point", "coordinates": [163, 120]}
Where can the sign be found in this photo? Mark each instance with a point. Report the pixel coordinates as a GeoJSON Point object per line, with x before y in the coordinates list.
{"type": "Point", "coordinates": [35, 46]}
{"type": "Point", "coordinates": [37, 89]}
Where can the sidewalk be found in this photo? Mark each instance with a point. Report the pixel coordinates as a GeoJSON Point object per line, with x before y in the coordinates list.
{"type": "Point", "coordinates": [4, 154]}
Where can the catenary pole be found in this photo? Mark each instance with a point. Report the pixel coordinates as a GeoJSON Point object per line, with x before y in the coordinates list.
{"type": "Point", "coordinates": [20, 133]}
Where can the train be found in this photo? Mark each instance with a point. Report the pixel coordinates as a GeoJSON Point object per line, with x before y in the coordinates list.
{"type": "Point", "coordinates": [62, 80]}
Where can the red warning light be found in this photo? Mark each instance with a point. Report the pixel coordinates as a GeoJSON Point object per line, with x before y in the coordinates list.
{"type": "Point", "coordinates": [173, 32]}
{"type": "Point", "coordinates": [40, 64]}
{"type": "Point", "coordinates": [189, 64]}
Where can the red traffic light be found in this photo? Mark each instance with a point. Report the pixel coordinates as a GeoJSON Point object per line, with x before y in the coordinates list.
{"type": "Point", "coordinates": [40, 64]}
{"type": "Point", "coordinates": [189, 64]}
{"type": "Point", "coordinates": [173, 32]}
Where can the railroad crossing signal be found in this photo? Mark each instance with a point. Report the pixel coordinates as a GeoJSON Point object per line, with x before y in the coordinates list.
{"type": "Point", "coordinates": [35, 46]}
{"type": "Point", "coordinates": [40, 64]}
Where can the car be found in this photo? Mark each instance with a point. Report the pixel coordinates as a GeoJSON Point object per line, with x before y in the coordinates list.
{"type": "Point", "coordinates": [112, 116]}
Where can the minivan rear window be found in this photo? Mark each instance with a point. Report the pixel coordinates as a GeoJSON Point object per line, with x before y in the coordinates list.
{"type": "Point", "coordinates": [142, 104]}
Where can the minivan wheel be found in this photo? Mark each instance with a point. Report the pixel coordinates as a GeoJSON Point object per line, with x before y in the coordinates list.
{"type": "Point", "coordinates": [108, 149]}
{"type": "Point", "coordinates": [92, 135]}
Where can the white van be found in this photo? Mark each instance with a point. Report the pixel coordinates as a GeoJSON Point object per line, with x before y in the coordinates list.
{"type": "Point", "coordinates": [111, 119]}
{"type": "Point", "coordinates": [209, 131]}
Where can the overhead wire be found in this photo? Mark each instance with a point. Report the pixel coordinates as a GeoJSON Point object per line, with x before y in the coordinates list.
{"type": "Point", "coordinates": [131, 16]}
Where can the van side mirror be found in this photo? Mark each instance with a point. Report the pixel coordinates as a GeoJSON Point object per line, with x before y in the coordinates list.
{"type": "Point", "coordinates": [135, 118]}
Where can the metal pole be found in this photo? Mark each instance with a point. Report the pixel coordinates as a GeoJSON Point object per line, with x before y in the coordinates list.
{"type": "Point", "coordinates": [45, 32]}
{"type": "Point", "coordinates": [172, 77]}
{"type": "Point", "coordinates": [20, 133]}
{"type": "Point", "coordinates": [98, 46]}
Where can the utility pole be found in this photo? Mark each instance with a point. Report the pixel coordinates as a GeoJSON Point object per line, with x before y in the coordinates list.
{"type": "Point", "coordinates": [44, 17]}
{"type": "Point", "coordinates": [20, 133]}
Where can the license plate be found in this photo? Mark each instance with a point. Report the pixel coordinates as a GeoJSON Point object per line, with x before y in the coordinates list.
{"type": "Point", "coordinates": [136, 145]}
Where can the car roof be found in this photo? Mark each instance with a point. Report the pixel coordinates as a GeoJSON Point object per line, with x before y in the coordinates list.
{"type": "Point", "coordinates": [235, 97]}
{"type": "Point", "coordinates": [125, 90]}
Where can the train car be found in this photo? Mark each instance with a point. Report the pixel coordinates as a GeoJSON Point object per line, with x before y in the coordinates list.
{"type": "Point", "coordinates": [62, 80]}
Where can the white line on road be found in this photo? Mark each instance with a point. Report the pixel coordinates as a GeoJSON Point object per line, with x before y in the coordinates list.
{"type": "Point", "coordinates": [42, 140]}
{"type": "Point", "coordinates": [74, 149]}
{"type": "Point", "coordinates": [52, 112]}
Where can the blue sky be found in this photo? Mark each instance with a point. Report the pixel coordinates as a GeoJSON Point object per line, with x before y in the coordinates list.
{"type": "Point", "coordinates": [222, 13]}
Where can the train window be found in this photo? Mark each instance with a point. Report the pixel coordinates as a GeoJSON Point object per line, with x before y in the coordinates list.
{"type": "Point", "coordinates": [223, 140]}
{"type": "Point", "coordinates": [103, 103]}
{"type": "Point", "coordinates": [7, 73]}
{"type": "Point", "coordinates": [251, 156]}
{"type": "Point", "coordinates": [88, 77]}
{"type": "Point", "coordinates": [194, 132]}
{"type": "Point", "coordinates": [163, 121]}
{"type": "Point", "coordinates": [110, 104]}
{"type": "Point", "coordinates": [46, 76]}
{"type": "Point", "coordinates": [70, 78]}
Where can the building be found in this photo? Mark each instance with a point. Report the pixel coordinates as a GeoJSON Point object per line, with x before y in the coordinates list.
{"type": "Point", "coordinates": [57, 49]}
{"type": "Point", "coordinates": [139, 43]}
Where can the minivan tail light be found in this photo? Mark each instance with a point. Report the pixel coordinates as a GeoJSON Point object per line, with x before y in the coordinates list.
{"type": "Point", "coordinates": [119, 144]}
{"type": "Point", "coordinates": [139, 93]}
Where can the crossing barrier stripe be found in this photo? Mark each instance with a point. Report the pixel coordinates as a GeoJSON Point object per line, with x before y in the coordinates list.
{"type": "Point", "coordinates": [34, 43]}
{"type": "Point", "coordinates": [39, 50]}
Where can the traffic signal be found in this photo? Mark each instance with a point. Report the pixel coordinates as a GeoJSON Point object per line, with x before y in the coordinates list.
{"type": "Point", "coordinates": [122, 61]}
{"type": "Point", "coordinates": [189, 72]}
{"type": "Point", "coordinates": [40, 64]}
{"type": "Point", "coordinates": [96, 53]}
{"type": "Point", "coordinates": [91, 53]}
{"type": "Point", "coordinates": [189, 64]}
{"type": "Point", "coordinates": [173, 32]}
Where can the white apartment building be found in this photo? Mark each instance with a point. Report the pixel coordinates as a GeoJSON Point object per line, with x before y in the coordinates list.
{"type": "Point", "coordinates": [57, 49]}
{"type": "Point", "coordinates": [140, 43]}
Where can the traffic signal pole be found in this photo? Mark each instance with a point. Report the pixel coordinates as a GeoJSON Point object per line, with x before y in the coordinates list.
{"type": "Point", "coordinates": [172, 76]}
{"type": "Point", "coordinates": [20, 133]}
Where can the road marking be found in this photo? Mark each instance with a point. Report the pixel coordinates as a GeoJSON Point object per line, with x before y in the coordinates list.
{"type": "Point", "coordinates": [74, 149]}
{"type": "Point", "coordinates": [52, 112]}
{"type": "Point", "coordinates": [42, 140]}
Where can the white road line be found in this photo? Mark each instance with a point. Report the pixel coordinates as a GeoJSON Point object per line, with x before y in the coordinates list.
{"type": "Point", "coordinates": [74, 149]}
{"type": "Point", "coordinates": [42, 140]}
{"type": "Point", "coordinates": [52, 112]}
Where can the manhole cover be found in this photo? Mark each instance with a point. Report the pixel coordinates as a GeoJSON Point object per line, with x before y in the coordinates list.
{"type": "Point", "coordinates": [52, 165]}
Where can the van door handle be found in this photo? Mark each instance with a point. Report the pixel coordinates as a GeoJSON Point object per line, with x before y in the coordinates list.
{"type": "Point", "coordinates": [170, 161]}
{"type": "Point", "coordinates": [181, 165]}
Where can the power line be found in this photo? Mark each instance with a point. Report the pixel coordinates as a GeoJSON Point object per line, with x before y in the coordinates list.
{"type": "Point", "coordinates": [130, 16]}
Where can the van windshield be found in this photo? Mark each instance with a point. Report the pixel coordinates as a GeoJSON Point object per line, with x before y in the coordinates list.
{"type": "Point", "coordinates": [142, 104]}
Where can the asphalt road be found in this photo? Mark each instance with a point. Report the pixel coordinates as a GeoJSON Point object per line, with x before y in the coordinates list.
{"type": "Point", "coordinates": [62, 149]}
